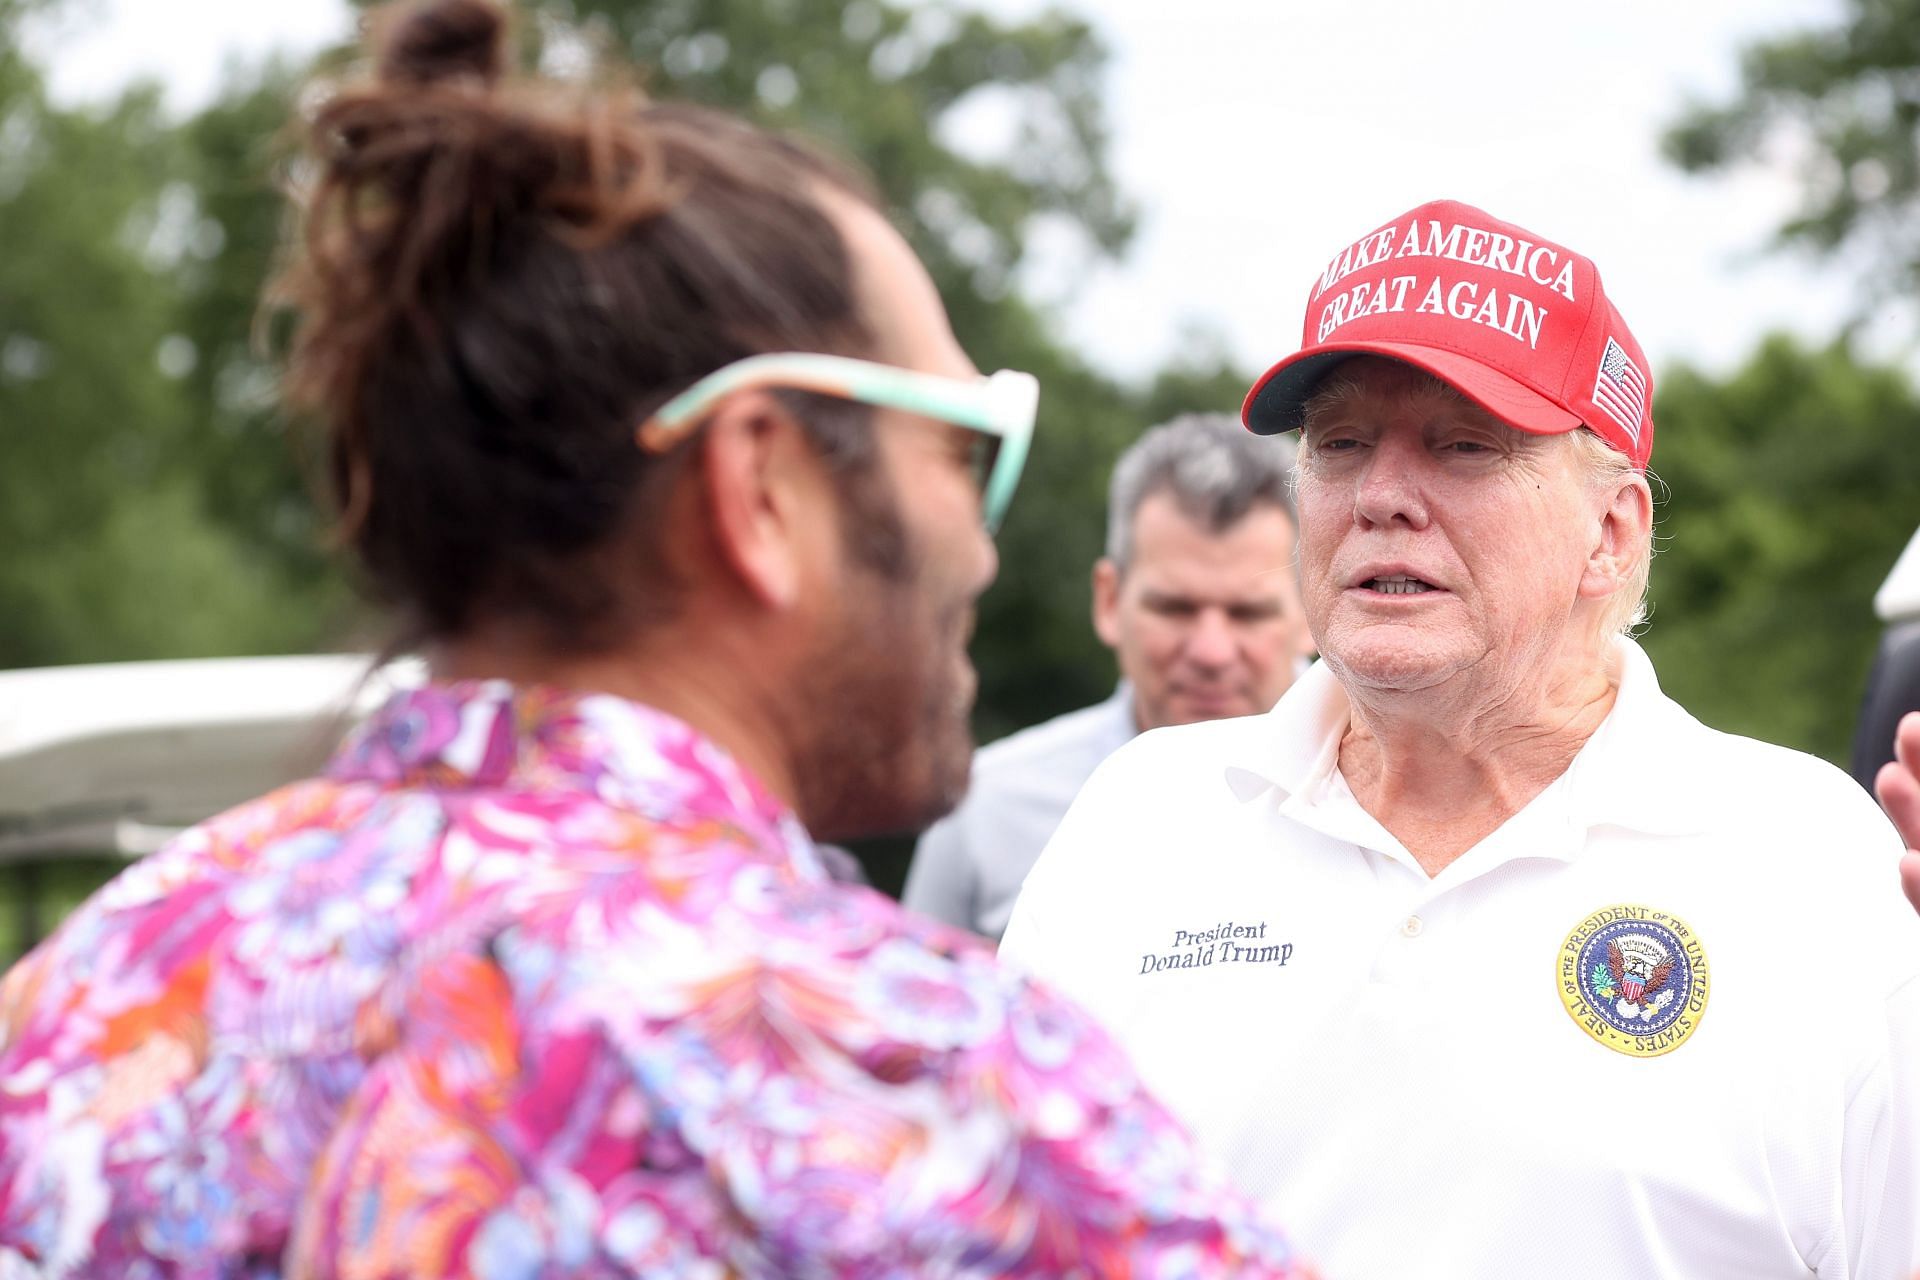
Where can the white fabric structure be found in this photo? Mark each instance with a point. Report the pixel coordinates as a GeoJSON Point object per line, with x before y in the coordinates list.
{"type": "Point", "coordinates": [1899, 596]}
{"type": "Point", "coordinates": [115, 757]}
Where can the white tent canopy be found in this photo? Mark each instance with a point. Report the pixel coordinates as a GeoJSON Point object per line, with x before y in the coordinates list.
{"type": "Point", "coordinates": [1899, 596]}
{"type": "Point", "coordinates": [115, 757]}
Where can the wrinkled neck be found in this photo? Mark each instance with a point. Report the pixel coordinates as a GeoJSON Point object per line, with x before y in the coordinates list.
{"type": "Point", "coordinates": [1442, 772]}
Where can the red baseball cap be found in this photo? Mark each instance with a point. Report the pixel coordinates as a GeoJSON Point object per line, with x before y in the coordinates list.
{"type": "Point", "coordinates": [1519, 324]}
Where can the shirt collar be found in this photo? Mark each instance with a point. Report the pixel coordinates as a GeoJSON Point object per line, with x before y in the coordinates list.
{"type": "Point", "coordinates": [1640, 769]}
{"type": "Point", "coordinates": [1297, 744]}
{"type": "Point", "coordinates": [1118, 713]}
{"type": "Point", "coordinates": [493, 735]}
{"type": "Point", "coordinates": [1631, 773]}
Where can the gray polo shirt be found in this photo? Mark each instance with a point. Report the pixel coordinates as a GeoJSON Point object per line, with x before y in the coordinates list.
{"type": "Point", "coordinates": [968, 867]}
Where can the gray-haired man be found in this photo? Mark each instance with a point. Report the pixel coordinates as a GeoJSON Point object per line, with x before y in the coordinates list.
{"type": "Point", "coordinates": [1197, 599]}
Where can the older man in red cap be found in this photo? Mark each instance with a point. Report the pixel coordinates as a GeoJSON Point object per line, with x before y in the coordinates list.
{"type": "Point", "coordinates": [1485, 958]}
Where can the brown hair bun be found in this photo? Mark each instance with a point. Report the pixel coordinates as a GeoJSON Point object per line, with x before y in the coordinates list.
{"type": "Point", "coordinates": [495, 279]}
{"type": "Point", "coordinates": [437, 40]}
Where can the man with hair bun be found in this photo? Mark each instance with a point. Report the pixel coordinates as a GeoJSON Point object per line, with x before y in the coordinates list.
{"type": "Point", "coordinates": [1478, 956]}
{"type": "Point", "coordinates": [1196, 598]}
{"type": "Point", "coordinates": [644, 423]}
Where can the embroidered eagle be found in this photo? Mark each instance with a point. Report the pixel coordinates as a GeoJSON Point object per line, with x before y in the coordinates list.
{"type": "Point", "coordinates": [1637, 980]}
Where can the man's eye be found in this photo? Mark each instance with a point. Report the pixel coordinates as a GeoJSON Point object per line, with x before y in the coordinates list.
{"type": "Point", "coordinates": [976, 450]}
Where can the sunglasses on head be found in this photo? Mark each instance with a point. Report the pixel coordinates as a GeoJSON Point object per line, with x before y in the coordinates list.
{"type": "Point", "coordinates": [1000, 407]}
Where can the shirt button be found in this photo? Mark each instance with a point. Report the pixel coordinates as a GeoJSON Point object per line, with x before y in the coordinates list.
{"type": "Point", "coordinates": [1412, 926]}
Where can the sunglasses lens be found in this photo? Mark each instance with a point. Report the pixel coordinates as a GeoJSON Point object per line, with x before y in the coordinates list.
{"type": "Point", "coordinates": [983, 454]}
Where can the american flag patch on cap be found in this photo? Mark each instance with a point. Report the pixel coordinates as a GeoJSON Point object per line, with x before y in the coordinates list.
{"type": "Point", "coordinates": [1620, 390]}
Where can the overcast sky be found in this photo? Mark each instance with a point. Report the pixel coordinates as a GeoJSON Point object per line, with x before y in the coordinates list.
{"type": "Point", "coordinates": [1261, 138]}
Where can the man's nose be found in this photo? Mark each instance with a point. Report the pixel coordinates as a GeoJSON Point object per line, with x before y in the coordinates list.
{"type": "Point", "coordinates": [986, 557]}
{"type": "Point", "coordinates": [1389, 489]}
{"type": "Point", "coordinates": [1211, 642]}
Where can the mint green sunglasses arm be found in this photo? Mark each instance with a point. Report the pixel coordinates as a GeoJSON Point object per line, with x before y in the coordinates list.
{"type": "Point", "coordinates": [1002, 405]}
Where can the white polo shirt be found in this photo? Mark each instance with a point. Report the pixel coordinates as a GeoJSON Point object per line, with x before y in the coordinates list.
{"type": "Point", "coordinates": [1664, 1022]}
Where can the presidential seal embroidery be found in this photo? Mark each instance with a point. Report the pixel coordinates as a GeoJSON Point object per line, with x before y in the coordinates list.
{"type": "Point", "coordinates": [1635, 979]}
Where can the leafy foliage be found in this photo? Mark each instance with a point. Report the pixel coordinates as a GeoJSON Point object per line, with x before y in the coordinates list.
{"type": "Point", "coordinates": [109, 550]}
{"type": "Point", "coordinates": [252, 468]}
{"type": "Point", "coordinates": [1842, 105]}
{"type": "Point", "coordinates": [1805, 459]}
{"type": "Point", "coordinates": [914, 93]}
{"type": "Point", "coordinates": [1793, 486]}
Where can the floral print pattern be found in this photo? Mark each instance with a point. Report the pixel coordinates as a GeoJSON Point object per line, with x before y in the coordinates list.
{"type": "Point", "coordinates": [536, 984]}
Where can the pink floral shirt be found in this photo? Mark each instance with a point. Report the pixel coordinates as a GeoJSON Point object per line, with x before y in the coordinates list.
{"type": "Point", "coordinates": [534, 984]}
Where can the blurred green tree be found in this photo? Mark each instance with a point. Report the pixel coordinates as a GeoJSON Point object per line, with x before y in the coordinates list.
{"type": "Point", "coordinates": [1783, 481]}
{"type": "Point", "coordinates": [1839, 104]}
{"type": "Point", "coordinates": [106, 548]}
{"type": "Point", "coordinates": [976, 128]}
{"type": "Point", "coordinates": [253, 470]}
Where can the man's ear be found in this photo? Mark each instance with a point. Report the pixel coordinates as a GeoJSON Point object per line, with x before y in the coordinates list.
{"type": "Point", "coordinates": [767, 497]}
{"type": "Point", "coordinates": [1626, 522]}
{"type": "Point", "coordinates": [1106, 602]}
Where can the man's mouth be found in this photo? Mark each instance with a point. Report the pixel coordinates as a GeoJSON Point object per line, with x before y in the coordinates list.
{"type": "Point", "coordinates": [1398, 584]}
